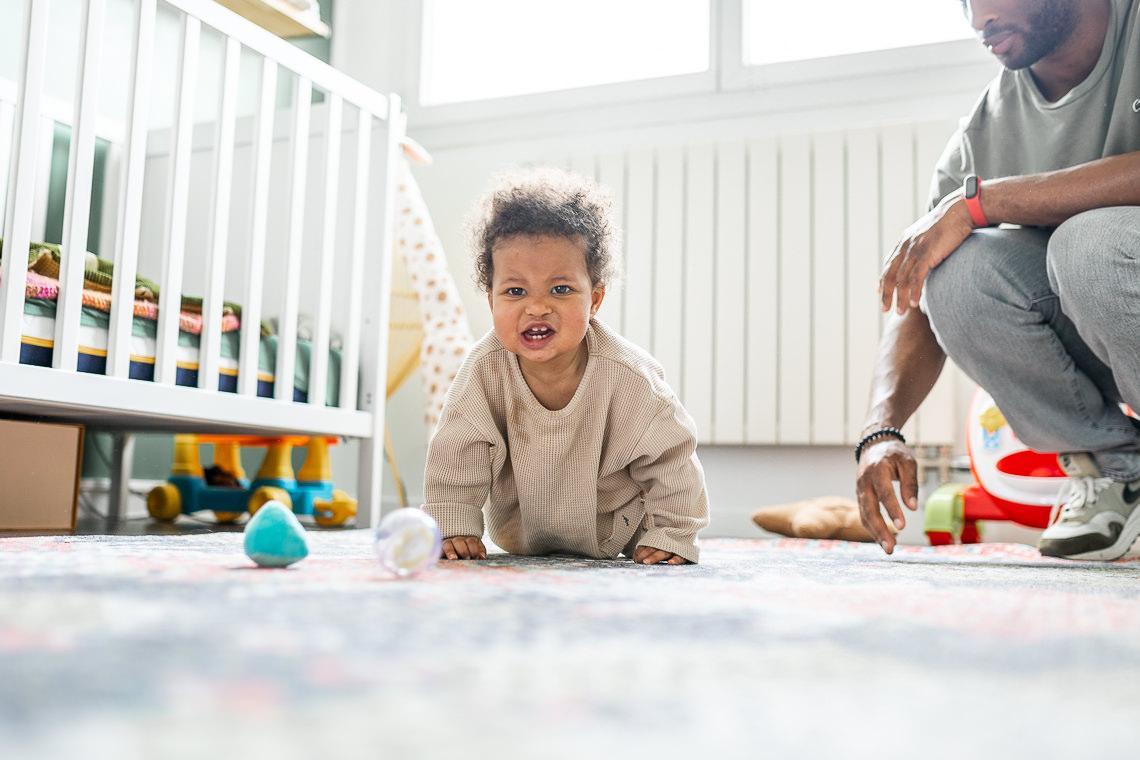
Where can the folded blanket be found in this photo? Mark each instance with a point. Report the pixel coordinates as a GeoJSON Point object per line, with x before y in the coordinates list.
{"type": "Point", "coordinates": [45, 260]}
{"type": "Point", "coordinates": [47, 289]}
{"type": "Point", "coordinates": [98, 278]}
{"type": "Point", "coordinates": [99, 275]}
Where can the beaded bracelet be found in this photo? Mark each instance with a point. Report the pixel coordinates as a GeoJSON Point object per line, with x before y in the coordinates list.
{"type": "Point", "coordinates": [880, 433]}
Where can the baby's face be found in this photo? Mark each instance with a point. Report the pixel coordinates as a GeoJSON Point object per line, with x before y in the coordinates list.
{"type": "Point", "coordinates": [541, 295]}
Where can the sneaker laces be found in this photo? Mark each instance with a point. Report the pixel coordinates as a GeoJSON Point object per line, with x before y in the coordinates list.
{"type": "Point", "coordinates": [1077, 495]}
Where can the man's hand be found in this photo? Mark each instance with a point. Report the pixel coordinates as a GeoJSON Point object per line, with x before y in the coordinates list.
{"type": "Point", "coordinates": [882, 463]}
{"type": "Point", "coordinates": [647, 555]}
{"type": "Point", "coordinates": [463, 547]}
{"type": "Point", "coordinates": [925, 245]}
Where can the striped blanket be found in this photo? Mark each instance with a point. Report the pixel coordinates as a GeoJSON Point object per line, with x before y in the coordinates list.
{"type": "Point", "coordinates": [98, 279]}
{"type": "Point", "coordinates": [47, 289]}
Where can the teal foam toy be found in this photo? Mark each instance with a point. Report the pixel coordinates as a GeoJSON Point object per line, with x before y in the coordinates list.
{"type": "Point", "coordinates": [274, 537]}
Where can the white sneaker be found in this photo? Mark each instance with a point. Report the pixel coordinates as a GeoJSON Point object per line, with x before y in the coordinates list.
{"type": "Point", "coordinates": [1098, 515]}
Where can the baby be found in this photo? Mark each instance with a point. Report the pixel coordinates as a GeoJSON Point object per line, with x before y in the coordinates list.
{"type": "Point", "coordinates": [571, 429]}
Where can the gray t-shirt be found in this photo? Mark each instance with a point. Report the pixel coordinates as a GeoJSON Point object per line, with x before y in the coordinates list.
{"type": "Point", "coordinates": [1014, 130]}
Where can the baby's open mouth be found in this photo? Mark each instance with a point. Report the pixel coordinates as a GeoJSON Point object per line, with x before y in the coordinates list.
{"type": "Point", "coordinates": [538, 335]}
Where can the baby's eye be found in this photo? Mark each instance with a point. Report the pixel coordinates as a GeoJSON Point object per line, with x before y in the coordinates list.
{"type": "Point", "coordinates": [561, 290]}
{"type": "Point", "coordinates": [516, 292]}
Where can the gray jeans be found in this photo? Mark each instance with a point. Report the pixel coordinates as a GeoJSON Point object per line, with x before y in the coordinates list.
{"type": "Point", "coordinates": [1049, 325]}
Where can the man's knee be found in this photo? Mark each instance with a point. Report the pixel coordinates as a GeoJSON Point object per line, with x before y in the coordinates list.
{"type": "Point", "coordinates": [1086, 251]}
{"type": "Point", "coordinates": [990, 272]}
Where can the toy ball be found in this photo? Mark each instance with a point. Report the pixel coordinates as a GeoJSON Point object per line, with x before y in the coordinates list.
{"type": "Point", "coordinates": [407, 541]}
{"type": "Point", "coordinates": [274, 537]}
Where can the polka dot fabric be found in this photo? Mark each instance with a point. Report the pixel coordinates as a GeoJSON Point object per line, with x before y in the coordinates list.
{"type": "Point", "coordinates": [447, 335]}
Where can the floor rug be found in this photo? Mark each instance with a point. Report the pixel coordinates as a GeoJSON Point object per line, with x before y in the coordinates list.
{"type": "Point", "coordinates": [174, 646]}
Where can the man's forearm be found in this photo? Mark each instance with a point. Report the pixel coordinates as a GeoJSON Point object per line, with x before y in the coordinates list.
{"type": "Point", "coordinates": [1048, 199]}
{"type": "Point", "coordinates": [910, 361]}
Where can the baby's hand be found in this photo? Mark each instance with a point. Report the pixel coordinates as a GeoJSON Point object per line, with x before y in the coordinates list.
{"type": "Point", "coordinates": [463, 547]}
{"type": "Point", "coordinates": [647, 555]}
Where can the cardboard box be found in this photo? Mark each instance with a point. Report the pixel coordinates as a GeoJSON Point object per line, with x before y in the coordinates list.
{"type": "Point", "coordinates": [39, 475]}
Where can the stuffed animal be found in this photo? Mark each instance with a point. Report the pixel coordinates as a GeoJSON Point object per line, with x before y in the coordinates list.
{"type": "Point", "coordinates": [824, 517]}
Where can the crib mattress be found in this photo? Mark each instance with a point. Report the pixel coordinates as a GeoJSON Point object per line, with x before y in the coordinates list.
{"type": "Point", "coordinates": [38, 338]}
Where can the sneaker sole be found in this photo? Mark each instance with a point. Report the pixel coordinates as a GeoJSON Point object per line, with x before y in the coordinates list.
{"type": "Point", "coordinates": [1123, 543]}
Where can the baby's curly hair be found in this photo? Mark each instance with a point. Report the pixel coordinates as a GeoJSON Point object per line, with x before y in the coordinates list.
{"type": "Point", "coordinates": [545, 201]}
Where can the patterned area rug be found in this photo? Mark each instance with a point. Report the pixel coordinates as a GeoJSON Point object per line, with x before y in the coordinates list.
{"type": "Point", "coordinates": [146, 647]}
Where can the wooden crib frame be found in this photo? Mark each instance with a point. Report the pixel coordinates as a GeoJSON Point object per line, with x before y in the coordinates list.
{"type": "Point", "coordinates": [116, 402]}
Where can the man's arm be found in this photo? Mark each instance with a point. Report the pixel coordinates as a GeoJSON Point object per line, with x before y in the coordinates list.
{"type": "Point", "coordinates": [1046, 200]}
{"type": "Point", "coordinates": [1039, 200]}
{"type": "Point", "coordinates": [910, 361]}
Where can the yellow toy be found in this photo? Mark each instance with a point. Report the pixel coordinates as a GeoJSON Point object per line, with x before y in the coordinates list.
{"type": "Point", "coordinates": [309, 492]}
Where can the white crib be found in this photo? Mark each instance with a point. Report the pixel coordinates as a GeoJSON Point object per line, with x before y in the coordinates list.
{"type": "Point", "coordinates": [184, 237]}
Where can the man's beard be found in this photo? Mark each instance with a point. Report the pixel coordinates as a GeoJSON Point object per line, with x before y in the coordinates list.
{"type": "Point", "coordinates": [1050, 27]}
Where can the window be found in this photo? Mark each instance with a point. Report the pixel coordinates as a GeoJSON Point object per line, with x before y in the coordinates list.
{"type": "Point", "coordinates": [778, 31]}
{"type": "Point", "coordinates": [496, 48]}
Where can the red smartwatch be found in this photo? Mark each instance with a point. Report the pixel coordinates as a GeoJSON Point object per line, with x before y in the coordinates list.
{"type": "Point", "coordinates": [972, 194]}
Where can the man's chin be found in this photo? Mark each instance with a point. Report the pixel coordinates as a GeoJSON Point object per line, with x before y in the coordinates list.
{"type": "Point", "coordinates": [1014, 64]}
{"type": "Point", "coordinates": [1020, 56]}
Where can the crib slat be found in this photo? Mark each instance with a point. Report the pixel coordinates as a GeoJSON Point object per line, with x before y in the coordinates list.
{"type": "Point", "coordinates": [287, 344]}
{"type": "Point", "coordinates": [130, 204]}
{"type": "Point", "coordinates": [319, 364]}
{"type": "Point", "coordinates": [255, 273]}
{"type": "Point", "coordinates": [7, 119]}
{"type": "Point", "coordinates": [170, 298]}
{"type": "Point", "coordinates": [350, 361]}
{"type": "Point", "coordinates": [288, 56]}
{"type": "Point", "coordinates": [18, 212]}
{"type": "Point", "coordinates": [374, 341]}
{"type": "Point", "coordinates": [77, 208]}
{"type": "Point", "coordinates": [211, 343]}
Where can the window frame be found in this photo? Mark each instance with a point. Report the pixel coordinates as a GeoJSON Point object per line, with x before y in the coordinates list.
{"type": "Point", "coordinates": [736, 74]}
{"type": "Point", "coordinates": [727, 74]}
{"type": "Point", "coordinates": [588, 96]}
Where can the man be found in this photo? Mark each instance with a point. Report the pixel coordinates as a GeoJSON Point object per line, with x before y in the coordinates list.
{"type": "Point", "coordinates": [1045, 317]}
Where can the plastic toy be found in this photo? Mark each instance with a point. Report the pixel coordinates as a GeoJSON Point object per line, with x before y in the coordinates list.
{"type": "Point", "coordinates": [407, 542]}
{"type": "Point", "coordinates": [309, 492]}
{"type": "Point", "coordinates": [274, 537]}
{"type": "Point", "coordinates": [1012, 482]}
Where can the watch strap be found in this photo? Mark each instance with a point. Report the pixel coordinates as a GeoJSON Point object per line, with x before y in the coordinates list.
{"type": "Point", "coordinates": [972, 194]}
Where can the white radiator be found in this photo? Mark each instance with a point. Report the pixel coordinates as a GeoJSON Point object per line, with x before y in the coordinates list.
{"type": "Point", "coordinates": [751, 272]}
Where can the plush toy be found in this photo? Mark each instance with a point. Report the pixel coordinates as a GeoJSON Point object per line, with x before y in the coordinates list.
{"type": "Point", "coordinates": [274, 537]}
{"type": "Point", "coordinates": [824, 517]}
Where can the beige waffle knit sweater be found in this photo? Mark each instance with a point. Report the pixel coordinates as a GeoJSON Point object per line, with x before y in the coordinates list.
{"type": "Point", "coordinates": [613, 470]}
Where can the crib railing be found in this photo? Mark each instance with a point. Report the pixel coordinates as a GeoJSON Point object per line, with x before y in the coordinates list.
{"type": "Point", "coordinates": [364, 355]}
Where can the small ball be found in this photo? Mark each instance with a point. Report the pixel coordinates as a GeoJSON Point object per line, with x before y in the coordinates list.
{"type": "Point", "coordinates": [407, 541]}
